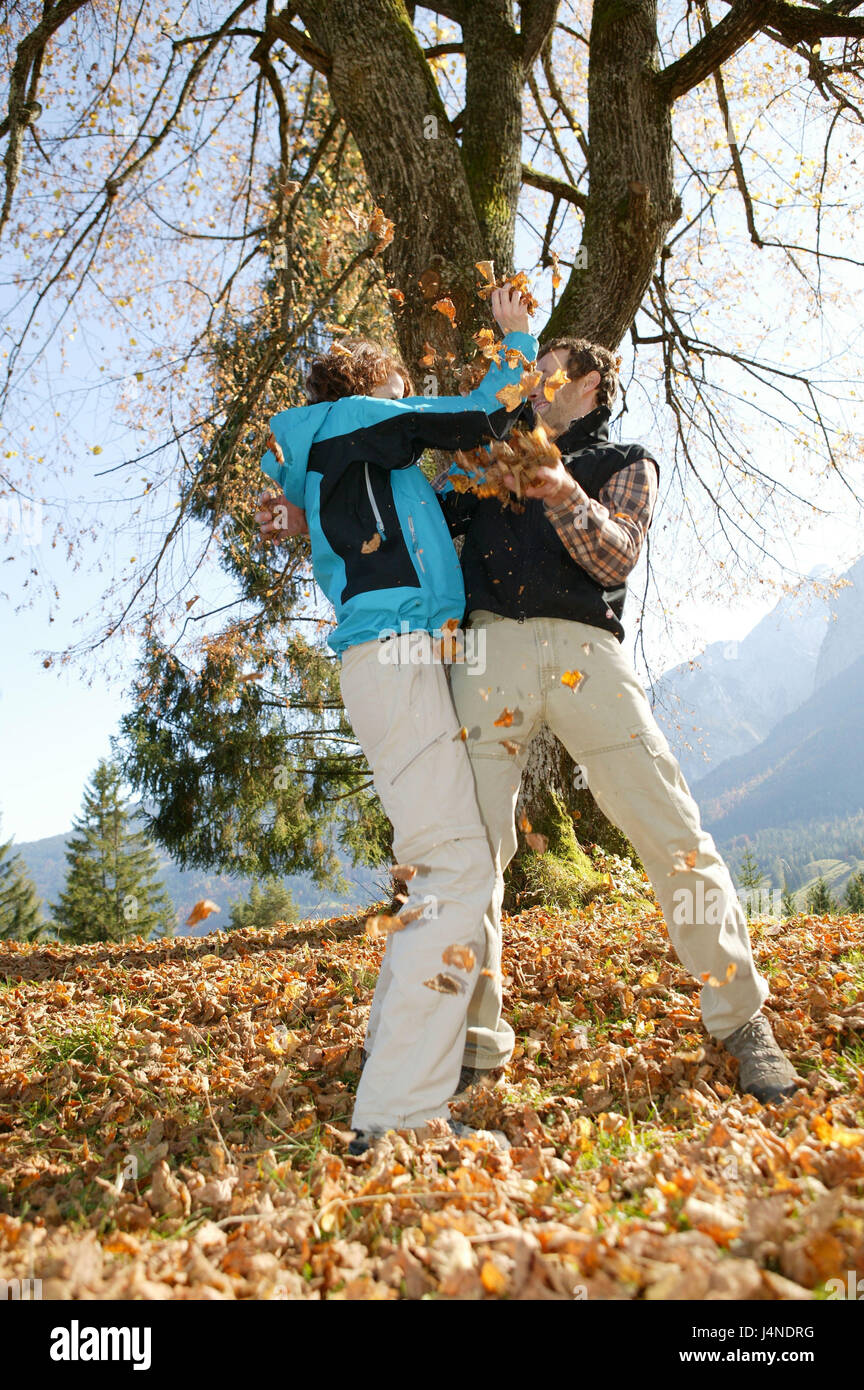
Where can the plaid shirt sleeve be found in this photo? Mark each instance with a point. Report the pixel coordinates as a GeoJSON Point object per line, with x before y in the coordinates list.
{"type": "Point", "coordinates": [606, 536]}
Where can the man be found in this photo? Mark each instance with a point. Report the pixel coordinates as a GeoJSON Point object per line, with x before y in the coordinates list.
{"type": "Point", "coordinates": [546, 586]}
{"type": "Point", "coordinates": [382, 554]}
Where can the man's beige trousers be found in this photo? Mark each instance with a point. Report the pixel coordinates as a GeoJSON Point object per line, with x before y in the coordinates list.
{"type": "Point", "coordinates": [602, 716]}
{"type": "Point", "coordinates": [402, 715]}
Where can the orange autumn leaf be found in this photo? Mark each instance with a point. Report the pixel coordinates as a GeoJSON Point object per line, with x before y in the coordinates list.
{"type": "Point", "coordinates": [444, 984]}
{"type": "Point", "coordinates": [556, 272]}
{"type": "Point", "coordinates": [447, 308]}
{"type": "Point", "coordinates": [404, 872]}
{"type": "Point", "coordinates": [487, 270]}
{"type": "Point", "coordinates": [511, 397]}
{"type": "Point", "coordinates": [397, 296]}
{"type": "Point", "coordinates": [380, 230]}
{"type": "Point", "coordinates": [493, 1279]}
{"type": "Point", "coordinates": [382, 923]}
{"type": "Point", "coordinates": [429, 355]}
{"type": "Point", "coordinates": [709, 979]}
{"type": "Point", "coordinates": [554, 383]}
{"type": "Point", "coordinates": [200, 911]}
{"type": "Point", "coordinates": [505, 719]}
{"type": "Point", "coordinates": [509, 745]}
{"type": "Point", "coordinates": [371, 545]}
{"type": "Point", "coordinates": [460, 956]}
{"type": "Point", "coordinates": [571, 678]}
{"type": "Point", "coordinates": [525, 825]}
{"type": "Point", "coordinates": [539, 843]}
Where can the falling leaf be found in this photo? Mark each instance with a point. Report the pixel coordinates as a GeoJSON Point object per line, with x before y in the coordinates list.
{"type": "Point", "coordinates": [271, 444]}
{"type": "Point", "coordinates": [539, 843]}
{"type": "Point", "coordinates": [505, 719]}
{"type": "Point", "coordinates": [572, 678]}
{"type": "Point", "coordinates": [404, 872]}
{"type": "Point", "coordinates": [485, 340]}
{"type": "Point", "coordinates": [556, 272]}
{"type": "Point", "coordinates": [509, 745]}
{"type": "Point", "coordinates": [525, 825]}
{"type": "Point", "coordinates": [429, 355]}
{"type": "Point", "coordinates": [553, 384]}
{"type": "Point", "coordinates": [200, 911]}
{"type": "Point", "coordinates": [190, 601]}
{"type": "Point", "coordinates": [381, 924]}
{"type": "Point", "coordinates": [397, 296]}
{"type": "Point", "coordinates": [412, 915]}
{"type": "Point", "coordinates": [461, 734]}
{"type": "Point", "coordinates": [445, 984]}
{"type": "Point", "coordinates": [487, 270]}
{"type": "Point", "coordinates": [371, 545]}
{"type": "Point", "coordinates": [290, 186]}
{"type": "Point", "coordinates": [684, 862]}
{"type": "Point", "coordinates": [709, 979]}
{"type": "Point", "coordinates": [447, 308]}
{"type": "Point", "coordinates": [586, 647]}
{"type": "Point", "coordinates": [380, 230]}
{"type": "Point", "coordinates": [251, 676]}
{"type": "Point", "coordinates": [460, 956]}
{"type": "Point", "coordinates": [511, 397]}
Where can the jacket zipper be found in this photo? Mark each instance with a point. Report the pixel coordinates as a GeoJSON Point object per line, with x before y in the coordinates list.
{"type": "Point", "coordinates": [418, 557]}
{"type": "Point", "coordinates": [378, 521]}
{"type": "Point", "coordinates": [531, 530]}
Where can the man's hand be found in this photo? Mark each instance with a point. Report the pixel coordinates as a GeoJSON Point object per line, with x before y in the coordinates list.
{"type": "Point", "coordinates": [278, 518]}
{"type": "Point", "coordinates": [509, 310]}
{"type": "Point", "coordinates": [551, 485]}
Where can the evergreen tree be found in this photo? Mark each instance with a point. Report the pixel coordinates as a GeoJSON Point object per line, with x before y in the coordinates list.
{"type": "Point", "coordinates": [111, 891]}
{"type": "Point", "coordinates": [820, 899]}
{"type": "Point", "coordinates": [788, 906]}
{"type": "Point", "coordinates": [855, 893]}
{"type": "Point", "coordinates": [264, 907]}
{"type": "Point", "coordinates": [751, 878]}
{"type": "Point", "coordinates": [20, 906]}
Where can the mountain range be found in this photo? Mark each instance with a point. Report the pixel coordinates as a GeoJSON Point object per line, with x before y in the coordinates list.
{"type": "Point", "coordinates": [769, 731]}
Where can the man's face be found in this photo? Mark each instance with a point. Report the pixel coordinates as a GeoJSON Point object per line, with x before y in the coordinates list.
{"type": "Point", "coordinates": [574, 399]}
{"type": "Point", "coordinates": [393, 389]}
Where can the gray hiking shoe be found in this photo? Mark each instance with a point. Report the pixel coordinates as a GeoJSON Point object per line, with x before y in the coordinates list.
{"type": "Point", "coordinates": [763, 1071]}
{"type": "Point", "coordinates": [476, 1076]}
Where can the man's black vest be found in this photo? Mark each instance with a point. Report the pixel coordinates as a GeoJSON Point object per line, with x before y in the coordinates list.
{"type": "Point", "coordinates": [515, 563]}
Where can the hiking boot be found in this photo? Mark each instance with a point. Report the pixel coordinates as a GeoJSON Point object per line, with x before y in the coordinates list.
{"type": "Point", "coordinates": [763, 1071]}
{"type": "Point", "coordinates": [476, 1076]}
{"type": "Point", "coordinates": [364, 1139]}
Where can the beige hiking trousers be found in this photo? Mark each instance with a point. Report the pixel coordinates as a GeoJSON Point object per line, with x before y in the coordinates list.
{"type": "Point", "coordinates": [402, 715]}
{"type": "Point", "coordinates": [605, 723]}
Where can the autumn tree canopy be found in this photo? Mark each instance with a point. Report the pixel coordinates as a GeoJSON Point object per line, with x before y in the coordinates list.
{"type": "Point", "coordinates": [193, 201]}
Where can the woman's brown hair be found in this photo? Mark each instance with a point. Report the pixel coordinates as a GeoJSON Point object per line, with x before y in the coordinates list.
{"type": "Point", "coordinates": [352, 367]}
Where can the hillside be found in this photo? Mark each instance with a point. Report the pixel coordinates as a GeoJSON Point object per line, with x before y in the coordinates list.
{"type": "Point", "coordinates": [46, 863]}
{"type": "Point", "coordinates": [809, 766]}
{"type": "Point", "coordinates": [174, 1125]}
{"type": "Point", "coordinates": [729, 698]}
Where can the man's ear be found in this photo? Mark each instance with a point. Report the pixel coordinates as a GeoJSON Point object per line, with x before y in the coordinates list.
{"type": "Point", "coordinates": [591, 381]}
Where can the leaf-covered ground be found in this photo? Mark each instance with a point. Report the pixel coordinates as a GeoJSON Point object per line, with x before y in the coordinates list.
{"type": "Point", "coordinates": [221, 1071]}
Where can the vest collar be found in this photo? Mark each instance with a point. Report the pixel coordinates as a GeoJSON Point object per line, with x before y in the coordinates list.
{"type": "Point", "coordinates": [594, 425]}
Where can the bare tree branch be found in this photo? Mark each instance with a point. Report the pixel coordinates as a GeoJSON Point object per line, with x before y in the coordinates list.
{"type": "Point", "coordinates": [744, 19]}
{"type": "Point", "coordinates": [547, 183]}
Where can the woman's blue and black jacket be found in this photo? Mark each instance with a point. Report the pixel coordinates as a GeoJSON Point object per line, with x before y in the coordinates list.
{"type": "Point", "coordinates": [350, 464]}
